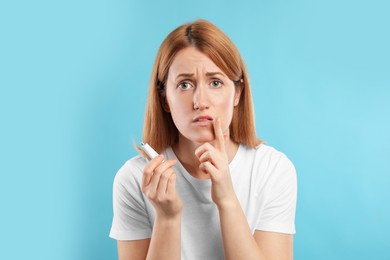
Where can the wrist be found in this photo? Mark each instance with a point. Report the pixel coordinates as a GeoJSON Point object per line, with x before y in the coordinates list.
{"type": "Point", "coordinates": [168, 219]}
{"type": "Point", "coordinates": [228, 204]}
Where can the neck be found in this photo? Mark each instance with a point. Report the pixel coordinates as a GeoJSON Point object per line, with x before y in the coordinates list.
{"type": "Point", "coordinates": [185, 151]}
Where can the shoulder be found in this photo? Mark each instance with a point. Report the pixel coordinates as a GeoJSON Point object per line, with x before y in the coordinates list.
{"type": "Point", "coordinates": [268, 163]}
{"type": "Point", "coordinates": [271, 155]}
{"type": "Point", "coordinates": [130, 173]}
{"type": "Point", "coordinates": [280, 171]}
{"type": "Point", "coordinates": [263, 154]}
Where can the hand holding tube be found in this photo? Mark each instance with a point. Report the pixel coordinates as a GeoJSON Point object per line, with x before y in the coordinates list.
{"type": "Point", "coordinates": [159, 184]}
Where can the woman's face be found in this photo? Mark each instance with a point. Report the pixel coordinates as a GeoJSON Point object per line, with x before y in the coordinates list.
{"type": "Point", "coordinates": [197, 92]}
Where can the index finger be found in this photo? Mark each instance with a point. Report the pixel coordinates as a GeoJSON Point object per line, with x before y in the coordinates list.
{"type": "Point", "coordinates": [219, 137]}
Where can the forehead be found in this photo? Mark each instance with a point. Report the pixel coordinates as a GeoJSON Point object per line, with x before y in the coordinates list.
{"type": "Point", "coordinates": [191, 60]}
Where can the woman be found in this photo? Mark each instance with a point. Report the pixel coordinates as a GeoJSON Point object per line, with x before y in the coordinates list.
{"type": "Point", "coordinates": [215, 191]}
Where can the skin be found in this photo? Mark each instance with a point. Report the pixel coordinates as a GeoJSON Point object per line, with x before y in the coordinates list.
{"type": "Point", "coordinates": [197, 87]}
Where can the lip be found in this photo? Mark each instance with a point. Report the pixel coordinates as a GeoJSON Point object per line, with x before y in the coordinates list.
{"type": "Point", "coordinates": [203, 120]}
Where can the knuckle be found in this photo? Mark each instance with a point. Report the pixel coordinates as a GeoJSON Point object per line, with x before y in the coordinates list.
{"type": "Point", "coordinates": [146, 176]}
{"type": "Point", "coordinates": [164, 177]}
{"type": "Point", "coordinates": [156, 172]}
{"type": "Point", "coordinates": [147, 170]}
{"type": "Point", "coordinates": [146, 192]}
{"type": "Point", "coordinates": [169, 199]}
{"type": "Point", "coordinates": [149, 194]}
{"type": "Point", "coordinates": [160, 199]}
{"type": "Point", "coordinates": [172, 163]}
{"type": "Point", "coordinates": [148, 167]}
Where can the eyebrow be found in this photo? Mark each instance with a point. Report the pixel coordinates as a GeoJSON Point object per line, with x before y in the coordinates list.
{"type": "Point", "coordinates": [185, 75]}
{"type": "Point", "coordinates": [190, 75]}
{"type": "Point", "coordinates": [210, 74]}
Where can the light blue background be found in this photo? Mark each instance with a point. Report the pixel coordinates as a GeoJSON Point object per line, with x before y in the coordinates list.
{"type": "Point", "coordinates": [74, 78]}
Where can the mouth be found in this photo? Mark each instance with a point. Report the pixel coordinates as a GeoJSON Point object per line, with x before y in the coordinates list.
{"type": "Point", "coordinates": [203, 120]}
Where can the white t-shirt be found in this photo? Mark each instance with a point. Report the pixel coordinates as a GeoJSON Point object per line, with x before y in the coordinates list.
{"type": "Point", "coordinates": [264, 180]}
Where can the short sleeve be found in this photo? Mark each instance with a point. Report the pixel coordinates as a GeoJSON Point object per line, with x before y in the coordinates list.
{"type": "Point", "coordinates": [130, 220]}
{"type": "Point", "coordinates": [278, 213]}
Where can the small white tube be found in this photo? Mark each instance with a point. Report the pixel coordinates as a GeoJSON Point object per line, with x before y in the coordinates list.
{"type": "Point", "coordinates": [149, 150]}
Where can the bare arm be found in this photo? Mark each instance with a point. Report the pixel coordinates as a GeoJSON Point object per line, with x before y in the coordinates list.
{"type": "Point", "coordinates": [239, 243]}
{"type": "Point", "coordinates": [164, 244]}
{"type": "Point", "coordinates": [134, 249]}
{"type": "Point", "coordinates": [275, 245]}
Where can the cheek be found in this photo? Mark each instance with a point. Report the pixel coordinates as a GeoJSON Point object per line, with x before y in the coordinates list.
{"type": "Point", "coordinates": [227, 103]}
{"type": "Point", "coordinates": [180, 101]}
{"type": "Point", "coordinates": [178, 108]}
{"type": "Point", "coordinates": [226, 107]}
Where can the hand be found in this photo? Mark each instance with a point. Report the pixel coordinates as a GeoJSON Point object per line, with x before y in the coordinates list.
{"type": "Point", "coordinates": [159, 186]}
{"type": "Point", "coordinates": [214, 161]}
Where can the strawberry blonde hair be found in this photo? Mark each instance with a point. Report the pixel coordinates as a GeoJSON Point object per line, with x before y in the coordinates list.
{"type": "Point", "coordinates": [159, 129]}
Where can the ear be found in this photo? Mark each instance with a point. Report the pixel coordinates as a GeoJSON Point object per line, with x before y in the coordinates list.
{"type": "Point", "coordinates": [164, 104]}
{"type": "Point", "coordinates": [237, 95]}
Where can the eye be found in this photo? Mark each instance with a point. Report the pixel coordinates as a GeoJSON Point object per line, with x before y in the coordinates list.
{"type": "Point", "coordinates": [216, 83]}
{"type": "Point", "coordinates": [185, 85]}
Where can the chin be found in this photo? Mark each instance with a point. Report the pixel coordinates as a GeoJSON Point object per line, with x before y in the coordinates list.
{"type": "Point", "coordinates": [203, 138]}
{"type": "Point", "coordinates": [200, 137]}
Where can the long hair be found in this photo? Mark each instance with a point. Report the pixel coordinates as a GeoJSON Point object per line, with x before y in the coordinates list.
{"type": "Point", "coordinates": [159, 128]}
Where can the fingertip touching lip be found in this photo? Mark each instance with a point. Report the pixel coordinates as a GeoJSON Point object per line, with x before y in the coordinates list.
{"type": "Point", "coordinates": [203, 118]}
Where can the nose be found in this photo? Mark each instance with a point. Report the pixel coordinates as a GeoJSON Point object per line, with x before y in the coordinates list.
{"type": "Point", "coordinates": [201, 100]}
